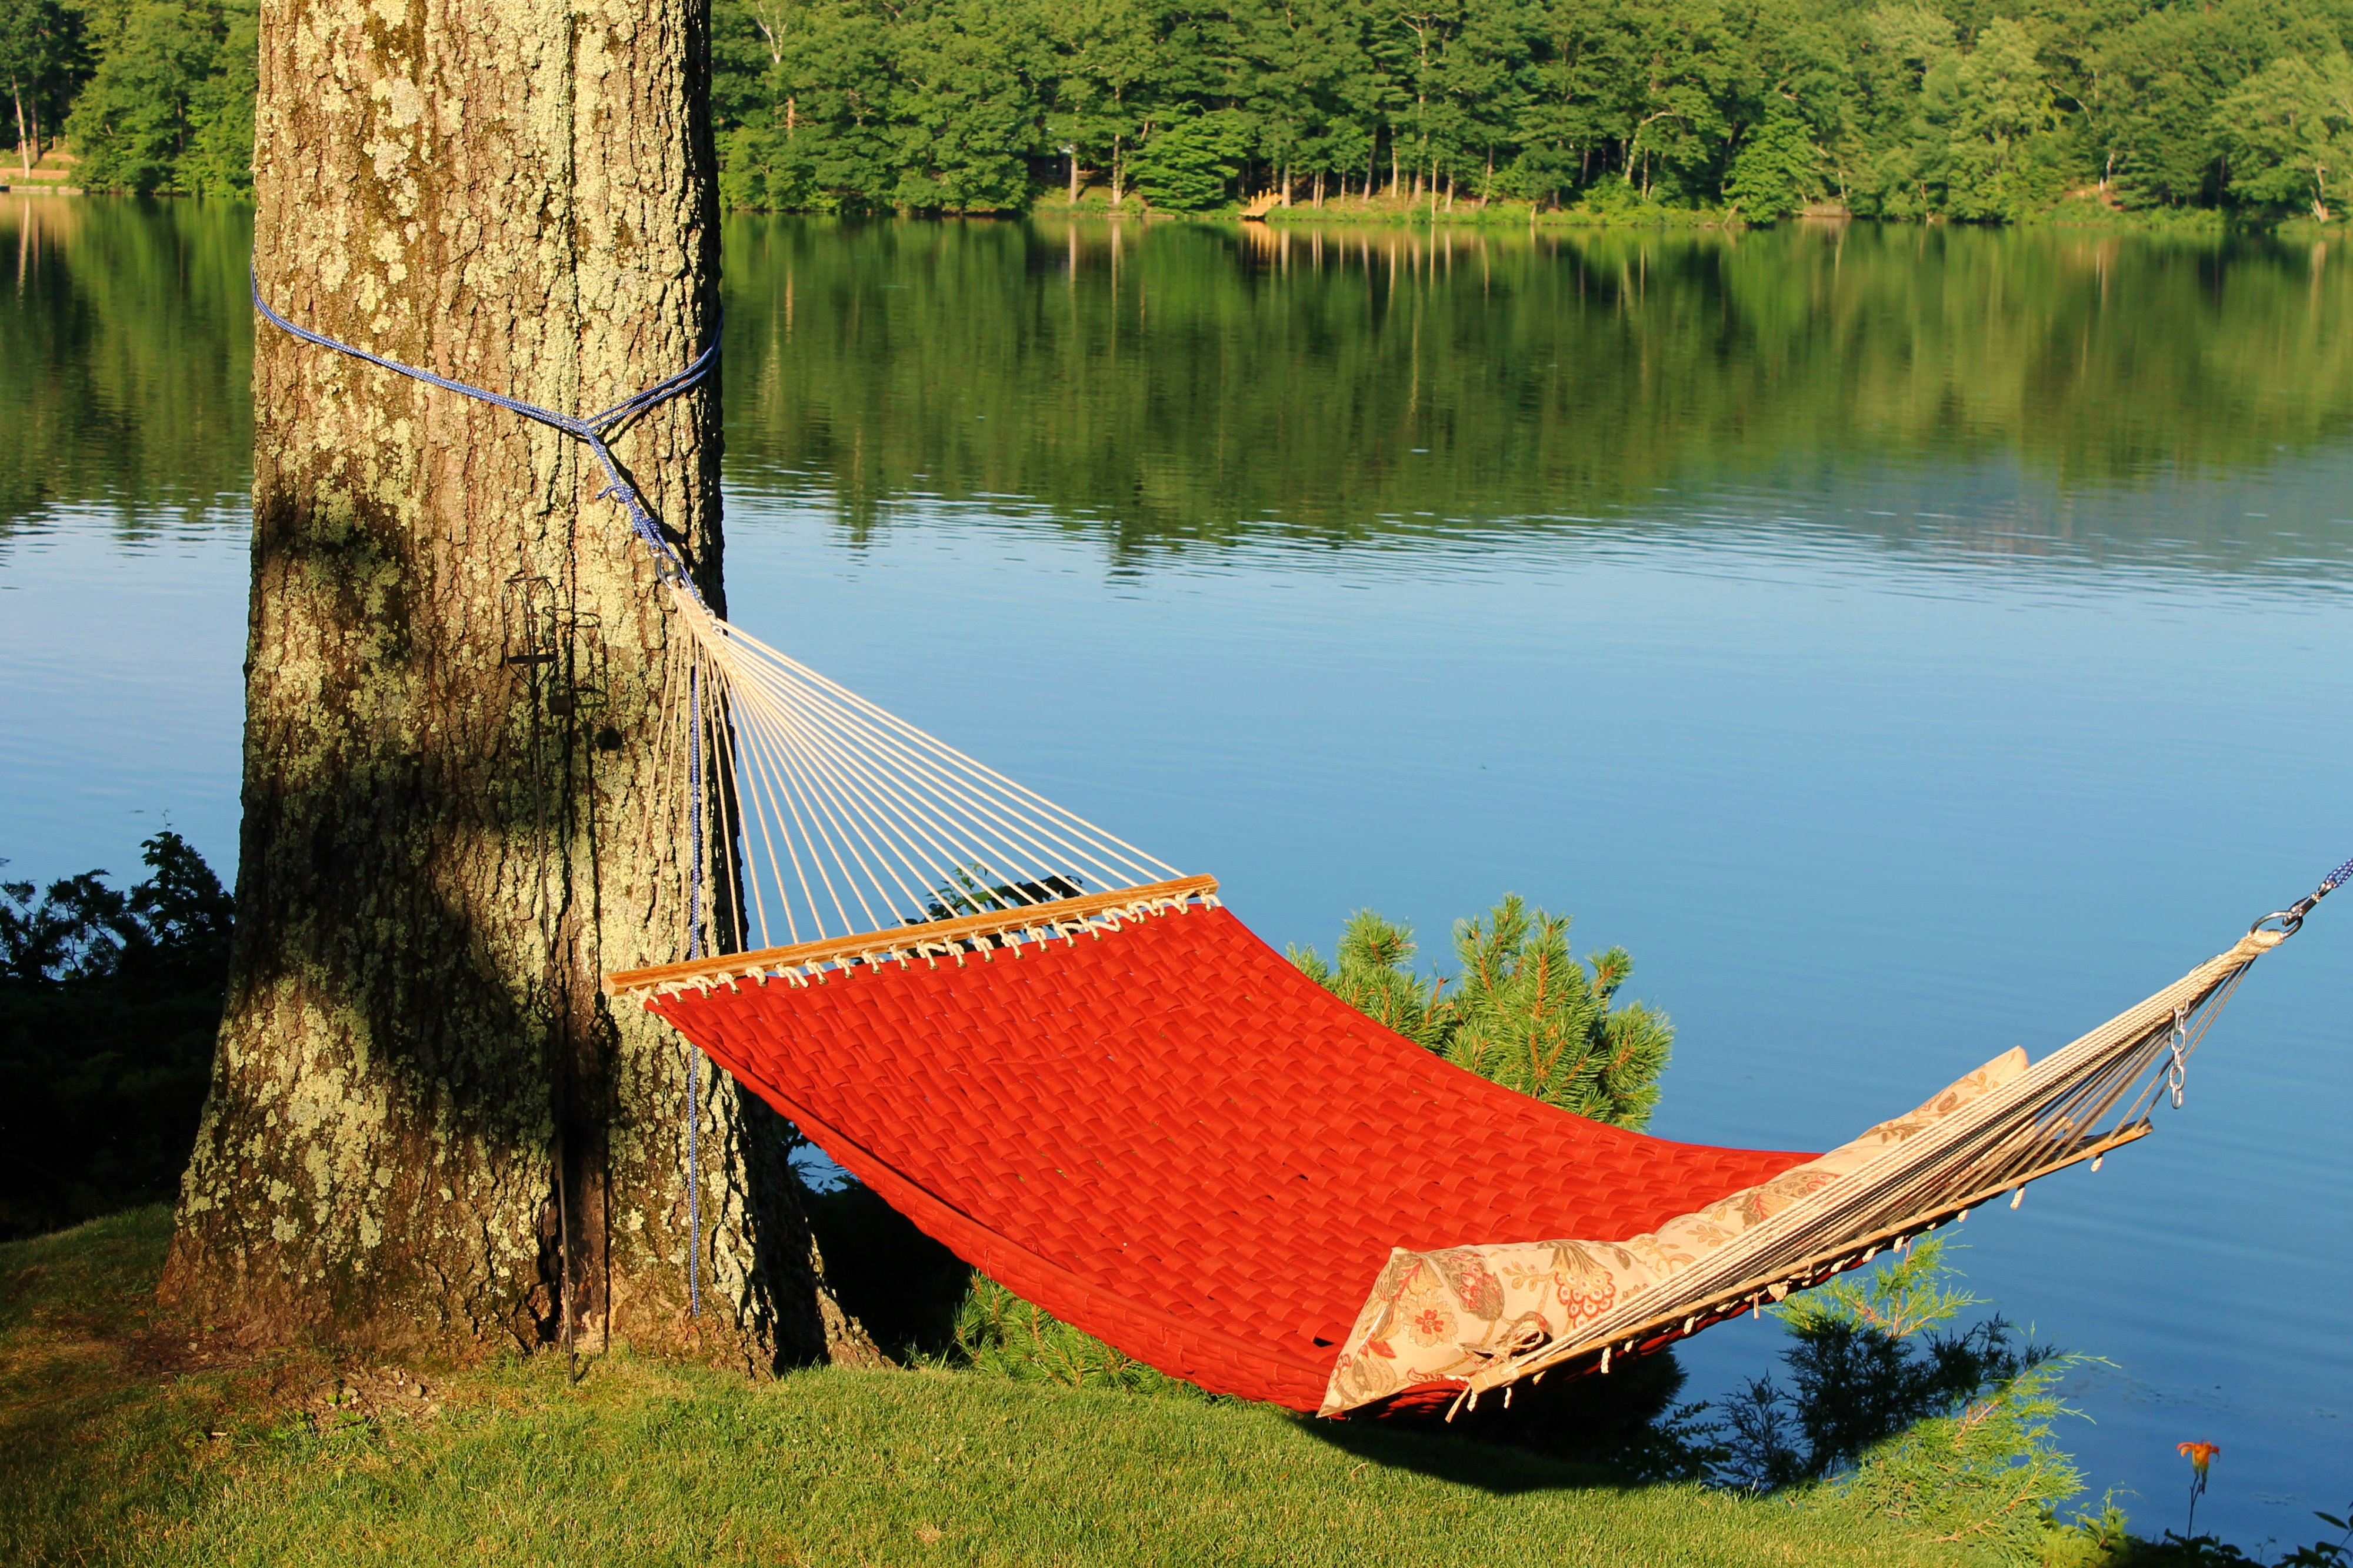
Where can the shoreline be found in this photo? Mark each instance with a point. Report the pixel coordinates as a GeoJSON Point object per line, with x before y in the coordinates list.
{"type": "Point", "coordinates": [2074, 216]}
{"type": "Point", "coordinates": [2202, 223]}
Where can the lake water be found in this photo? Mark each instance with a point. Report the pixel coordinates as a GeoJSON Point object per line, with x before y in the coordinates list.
{"type": "Point", "coordinates": [1910, 643]}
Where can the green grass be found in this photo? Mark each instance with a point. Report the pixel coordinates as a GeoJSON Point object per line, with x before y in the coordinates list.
{"type": "Point", "coordinates": [120, 1442]}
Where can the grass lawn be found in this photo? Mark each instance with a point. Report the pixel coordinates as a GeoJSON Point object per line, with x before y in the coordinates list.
{"type": "Point", "coordinates": [122, 1443]}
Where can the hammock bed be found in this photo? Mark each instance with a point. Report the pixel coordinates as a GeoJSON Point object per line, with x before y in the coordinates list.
{"type": "Point", "coordinates": [1125, 1107]}
{"type": "Point", "coordinates": [1071, 1065]}
{"type": "Point", "coordinates": [1169, 1136]}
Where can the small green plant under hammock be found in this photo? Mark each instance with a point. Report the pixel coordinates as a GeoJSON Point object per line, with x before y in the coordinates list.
{"type": "Point", "coordinates": [1521, 1012]}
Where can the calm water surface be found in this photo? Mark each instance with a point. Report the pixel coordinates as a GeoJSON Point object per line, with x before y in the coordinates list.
{"type": "Point", "coordinates": [1909, 643]}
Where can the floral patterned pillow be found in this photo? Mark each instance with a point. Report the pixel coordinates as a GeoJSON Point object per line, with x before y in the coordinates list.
{"type": "Point", "coordinates": [1443, 1317]}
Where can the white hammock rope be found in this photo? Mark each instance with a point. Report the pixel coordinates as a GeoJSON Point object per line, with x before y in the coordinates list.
{"type": "Point", "coordinates": [831, 817]}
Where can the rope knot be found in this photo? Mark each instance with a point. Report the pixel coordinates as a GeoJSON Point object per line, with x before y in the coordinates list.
{"type": "Point", "coordinates": [588, 430]}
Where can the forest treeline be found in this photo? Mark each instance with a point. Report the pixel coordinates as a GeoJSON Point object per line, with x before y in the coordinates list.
{"type": "Point", "coordinates": [1198, 387]}
{"type": "Point", "coordinates": [151, 95]}
{"type": "Point", "coordinates": [1963, 108]}
{"type": "Point", "coordinates": [1186, 387]}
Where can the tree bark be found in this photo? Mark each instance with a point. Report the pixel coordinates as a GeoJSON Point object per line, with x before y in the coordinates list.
{"type": "Point", "coordinates": [427, 1133]}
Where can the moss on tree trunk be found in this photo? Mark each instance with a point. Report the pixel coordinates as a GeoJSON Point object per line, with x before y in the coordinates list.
{"type": "Point", "coordinates": [454, 685]}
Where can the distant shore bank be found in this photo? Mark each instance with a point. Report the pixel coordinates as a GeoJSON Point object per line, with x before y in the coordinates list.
{"type": "Point", "coordinates": [2073, 212]}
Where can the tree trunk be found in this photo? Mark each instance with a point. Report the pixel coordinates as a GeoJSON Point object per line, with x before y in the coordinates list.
{"type": "Point", "coordinates": [24, 136]}
{"type": "Point", "coordinates": [427, 1133]}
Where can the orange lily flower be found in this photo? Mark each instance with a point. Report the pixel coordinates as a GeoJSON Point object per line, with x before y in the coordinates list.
{"type": "Point", "coordinates": [2201, 1455]}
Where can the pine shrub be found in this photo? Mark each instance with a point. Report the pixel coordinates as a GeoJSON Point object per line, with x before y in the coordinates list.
{"type": "Point", "coordinates": [1521, 1012]}
{"type": "Point", "coordinates": [1890, 1411]}
{"type": "Point", "coordinates": [998, 1333]}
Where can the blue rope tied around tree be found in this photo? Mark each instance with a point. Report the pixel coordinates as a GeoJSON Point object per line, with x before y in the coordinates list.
{"type": "Point", "coordinates": [591, 431]}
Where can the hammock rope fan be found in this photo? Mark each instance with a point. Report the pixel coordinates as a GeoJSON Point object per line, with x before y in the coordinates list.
{"type": "Point", "coordinates": [1071, 1065]}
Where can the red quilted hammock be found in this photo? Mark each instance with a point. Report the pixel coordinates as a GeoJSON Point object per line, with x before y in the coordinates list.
{"type": "Point", "coordinates": [1168, 1136]}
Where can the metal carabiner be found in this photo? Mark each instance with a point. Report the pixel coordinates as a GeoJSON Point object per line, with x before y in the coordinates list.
{"type": "Point", "coordinates": [2178, 1072]}
{"type": "Point", "coordinates": [2291, 918]}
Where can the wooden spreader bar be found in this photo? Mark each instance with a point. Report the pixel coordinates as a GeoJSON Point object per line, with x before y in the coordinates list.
{"type": "Point", "coordinates": [919, 939]}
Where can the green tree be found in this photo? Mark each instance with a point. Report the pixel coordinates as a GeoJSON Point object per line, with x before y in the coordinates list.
{"type": "Point", "coordinates": [1373, 974]}
{"type": "Point", "coordinates": [170, 107]}
{"type": "Point", "coordinates": [2165, 72]}
{"type": "Point", "coordinates": [1905, 109]}
{"type": "Point", "coordinates": [1352, 92]}
{"type": "Point", "coordinates": [1480, 83]}
{"type": "Point", "coordinates": [1270, 93]}
{"type": "Point", "coordinates": [1897, 155]}
{"type": "Point", "coordinates": [1186, 166]}
{"type": "Point", "coordinates": [1795, 63]}
{"type": "Point", "coordinates": [967, 112]}
{"type": "Point", "coordinates": [1686, 88]}
{"type": "Point", "coordinates": [1109, 61]}
{"type": "Point", "coordinates": [1775, 171]}
{"type": "Point", "coordinates": [1521, 1013]}
{"type": "Point", "coordinates": [219, 159]}
{"type": "Point", "coordinates": [2289, 133]}
{"type": "Point", "coordinates": [1994, 103]}
{"type": "Point", "coordinates": [40, 60]}
{"type": "Point", "coordinates": [855, 105]}
{"type": "Point", "coordinates": [1581, 103]}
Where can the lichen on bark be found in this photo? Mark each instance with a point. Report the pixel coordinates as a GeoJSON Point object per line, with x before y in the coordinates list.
{"type": "Point", "coordinates": [455, 669]}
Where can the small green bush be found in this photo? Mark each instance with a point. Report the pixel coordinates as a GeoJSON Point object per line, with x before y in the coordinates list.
{"type": "Point", "coordinates": [109, 1004]}
{"type": "Point", "coordinates": [1888, 1411]}
{"type": "Point", "coordinates": [998, 1333]}
{"type": "Point", "coordinates": [1521, 1012]}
